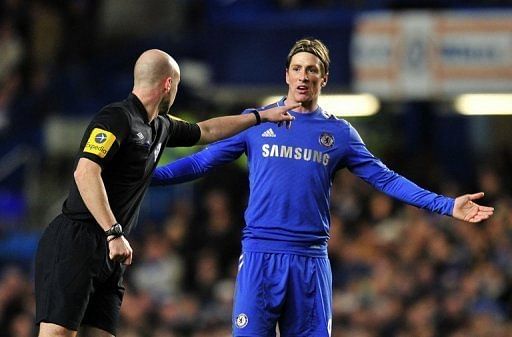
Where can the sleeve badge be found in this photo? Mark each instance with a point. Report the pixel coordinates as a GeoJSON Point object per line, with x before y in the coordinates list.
{"type": "Point", "coordinates": [99, 143]}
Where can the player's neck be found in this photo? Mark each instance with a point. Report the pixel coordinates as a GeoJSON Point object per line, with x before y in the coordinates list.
{"type": "Point", "coordinates": [306, 107]}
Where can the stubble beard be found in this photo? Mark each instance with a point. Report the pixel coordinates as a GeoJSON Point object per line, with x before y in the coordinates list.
{"type": "Point", "coordinates": [164, 107]}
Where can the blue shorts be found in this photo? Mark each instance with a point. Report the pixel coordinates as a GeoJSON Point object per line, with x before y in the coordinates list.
{"type": "Point", "coordinates": [288, 290]}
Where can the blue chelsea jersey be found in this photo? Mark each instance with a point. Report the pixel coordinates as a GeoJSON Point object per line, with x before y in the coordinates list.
{"type": "Point", "coordinates": [291, 173]}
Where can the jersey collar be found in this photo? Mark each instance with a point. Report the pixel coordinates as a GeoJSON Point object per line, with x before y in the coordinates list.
{"type": "Point", "coordinates": [139, 107]}
{"type": "Point", "coordinates": [312, 113]}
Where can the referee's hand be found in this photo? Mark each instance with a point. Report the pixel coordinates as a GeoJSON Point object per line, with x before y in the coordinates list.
{"type": "Point", "coordinates": [279, 114]}
{"type": "Point", "coordinates": [120, 250]}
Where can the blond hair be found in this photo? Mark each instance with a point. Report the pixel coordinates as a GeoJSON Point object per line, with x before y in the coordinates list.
{"type": "Point", "coordinates": [312, 46]}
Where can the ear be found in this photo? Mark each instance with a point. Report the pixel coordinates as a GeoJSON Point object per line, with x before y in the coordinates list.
{"type": "Point", "coordinates": [287, 77]}
{"type": "Point", "coordinates": [324, 81]}
{"type": "Point", "coordinates": [168, 84]}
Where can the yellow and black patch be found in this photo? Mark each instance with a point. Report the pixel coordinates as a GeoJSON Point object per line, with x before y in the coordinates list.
{"type": "Point", "coordinates": [99, 143]}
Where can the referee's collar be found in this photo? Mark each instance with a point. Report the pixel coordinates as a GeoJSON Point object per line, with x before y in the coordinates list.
{"type": "Point", "coordinates": [139, 107]}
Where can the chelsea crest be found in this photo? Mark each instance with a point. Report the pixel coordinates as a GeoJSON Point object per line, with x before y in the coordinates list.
{"type": "Point", "coordinates": [326, 139]}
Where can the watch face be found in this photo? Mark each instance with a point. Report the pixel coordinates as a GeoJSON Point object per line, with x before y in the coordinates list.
{"type": "Point", "coordinates": [117, 230]}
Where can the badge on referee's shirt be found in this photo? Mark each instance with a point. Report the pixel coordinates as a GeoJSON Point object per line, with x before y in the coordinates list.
{"type": "Point", "coordinates": [99, 143]}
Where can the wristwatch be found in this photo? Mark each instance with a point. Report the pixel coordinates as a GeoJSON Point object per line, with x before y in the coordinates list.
{"type": "Point", "coordinates": [116, 230]}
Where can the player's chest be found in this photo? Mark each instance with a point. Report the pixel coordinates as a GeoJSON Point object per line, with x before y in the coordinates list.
{"type": "Point", "coordinates": [313, 137]}
{"type": "Point", "coordinates": [301, 143]}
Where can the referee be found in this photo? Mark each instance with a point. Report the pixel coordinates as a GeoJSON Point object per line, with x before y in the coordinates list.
{"type": "Point", "coordinates": [83, 252]}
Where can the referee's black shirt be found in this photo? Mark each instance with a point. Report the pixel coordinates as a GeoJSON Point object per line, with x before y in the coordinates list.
{"type": "Point", "coordinates": [127, 147]}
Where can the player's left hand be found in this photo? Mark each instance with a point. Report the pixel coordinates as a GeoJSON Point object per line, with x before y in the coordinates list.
{"type": "Point", "coordinates": [467, 210]}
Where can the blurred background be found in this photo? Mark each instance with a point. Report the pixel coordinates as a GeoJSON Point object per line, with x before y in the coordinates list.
{"type": "Point", "coordinates": [398, 271]}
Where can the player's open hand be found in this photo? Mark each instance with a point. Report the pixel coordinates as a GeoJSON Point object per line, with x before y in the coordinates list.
{"type": "Point", "coordinates": [120, 250]}
{"type": "Point", "coordinates": [279, 114]}
{"type": "Point", "coordinates": [467, 210]}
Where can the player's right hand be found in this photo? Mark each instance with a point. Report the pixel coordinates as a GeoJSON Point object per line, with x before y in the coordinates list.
{"type": "Point", "coordinates": [120, 250]}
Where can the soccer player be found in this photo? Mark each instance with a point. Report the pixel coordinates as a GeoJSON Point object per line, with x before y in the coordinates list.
{"type": "Point", "coordinates": [83, 252]}
{"type": "Point", "coordinates": [284, 275]}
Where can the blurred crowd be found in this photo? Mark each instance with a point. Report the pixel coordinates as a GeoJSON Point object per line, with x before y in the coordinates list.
{"type": "Point", "coordinates": [50, 46]}
{"type": "Point", "coordinates": [42, 43]}
{"type": "Point", "coordinates": [397, 271]}
{"type": "Point", "coordinates": [57, 54]}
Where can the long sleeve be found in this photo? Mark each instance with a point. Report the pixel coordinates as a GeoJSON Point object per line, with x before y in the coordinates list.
{"type": "Point", "coordinates": [198, 164]}
{"type": "Point", "coordinates": [369, 168]}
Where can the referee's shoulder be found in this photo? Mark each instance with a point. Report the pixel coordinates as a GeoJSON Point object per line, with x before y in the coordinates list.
{"type": "Point", "coordinates": [116, 109]}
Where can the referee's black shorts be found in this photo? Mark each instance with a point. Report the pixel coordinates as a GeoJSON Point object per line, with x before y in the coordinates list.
{"type": "Point", "coordinates": [75, 281]}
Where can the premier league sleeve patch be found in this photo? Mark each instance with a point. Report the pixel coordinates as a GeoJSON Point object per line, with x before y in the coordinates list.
{"type": "Point", "coordinates": [99, 143]}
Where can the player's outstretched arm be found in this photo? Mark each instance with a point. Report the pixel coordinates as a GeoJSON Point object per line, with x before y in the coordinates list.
{"type": "Point", "coordinates": [219, 128]}
{"type": "Point", "coordinates": [467, 210]}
